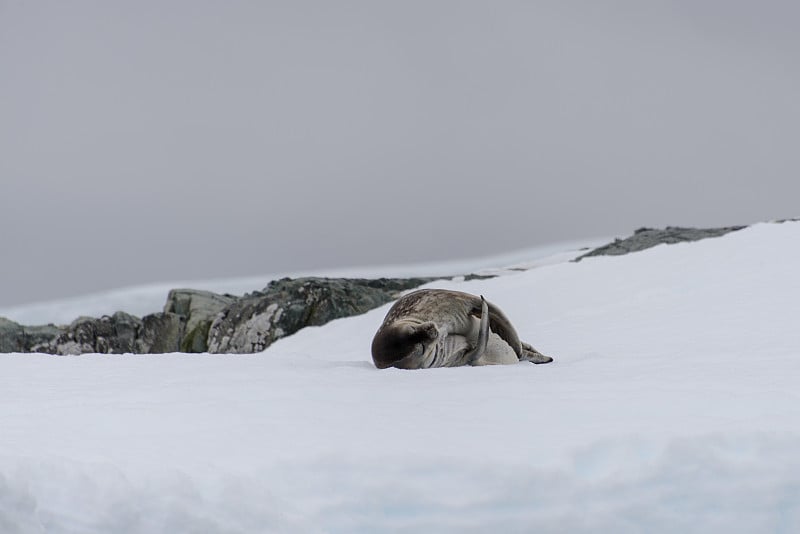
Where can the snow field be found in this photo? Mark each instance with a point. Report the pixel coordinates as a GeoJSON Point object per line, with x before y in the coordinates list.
{"type": "Point", "coordinates": [672, 406]}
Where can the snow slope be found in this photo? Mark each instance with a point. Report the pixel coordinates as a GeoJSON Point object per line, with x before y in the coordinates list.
{"type": "Point", "coordinates": [672, 406]}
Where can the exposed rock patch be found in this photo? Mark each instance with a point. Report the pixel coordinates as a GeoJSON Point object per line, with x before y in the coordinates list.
{"type": "Point", "coordinates": [11, 336]}
{"type": "Point", "coordinates": [199, 308]}
{"type": "Point", "coordinates": [645, 238]}
{"type": "Point", "coordinates": [201, 321]}
{"type": "Point", "coordinates": [255, 321]}
{"type": "Point", "coordinates": [17, 338]}
{"type": "Point", "coordinates": [161, 332]}
{"type": "Point", "coordinates": [108, 334]}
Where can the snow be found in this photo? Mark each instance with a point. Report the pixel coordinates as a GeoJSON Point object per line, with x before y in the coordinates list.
{"type": "Point", "coordinates": [672, 406]}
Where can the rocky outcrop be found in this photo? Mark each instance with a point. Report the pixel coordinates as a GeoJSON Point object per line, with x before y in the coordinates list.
{"type": "Point", "coordinates": [645, 238]}
{"type": "Point", "coordinates": [17, 338]}
{"type": "Point", "coordinates": [11, 336]}
{"type": "Point", "coordinates": [201, 321]}
{"type": "Point", "coordinates": [108, 334]}
{"type": "Point", "coordinates": [255, 321]}
{"type": "Point", "coordinates": [199, 308]}
{"type": "Point", "coordinates": [117, 334]}
{"type": "Point", "coordinates": [160, 333]}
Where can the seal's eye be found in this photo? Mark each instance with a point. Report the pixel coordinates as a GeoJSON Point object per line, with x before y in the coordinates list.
{"type": "Point", "coordinates": [419, 350]}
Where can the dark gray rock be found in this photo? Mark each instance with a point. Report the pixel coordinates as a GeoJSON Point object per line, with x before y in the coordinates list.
{"type": "Point", "coordinates": [469, 277]}
{"type": "Point", "coordinates": [645, 238]}
{"type": "Point", "coordinates": [120, 333]}
{"type": "Point", "coordinates": [199, 308]}
{"type": "Point", "coordinates": [12, 336]}
{"type": "Point", "coordinates": [115, 334]}
{"type": "Point", "coordinates": [160, 333]}
{"type": "Point", "coordinates": [18, 338]}
{"type": "Point", "coordinates": [255, 321]}
{"type": "Point", "coordinates": [36, 335]}
{"type": "Point", "coordinates": [200, 321]}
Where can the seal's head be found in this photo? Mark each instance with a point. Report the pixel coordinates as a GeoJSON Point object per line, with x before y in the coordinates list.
{"type": "Point", "coordinates": [403, 344]}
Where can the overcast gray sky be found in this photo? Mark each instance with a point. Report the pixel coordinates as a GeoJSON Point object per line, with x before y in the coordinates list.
{"type": "Point", "coordinates": [150, 141]}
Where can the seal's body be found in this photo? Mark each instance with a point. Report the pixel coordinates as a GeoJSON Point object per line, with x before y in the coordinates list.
{"type": "Point", "coordinates": [442, 328]}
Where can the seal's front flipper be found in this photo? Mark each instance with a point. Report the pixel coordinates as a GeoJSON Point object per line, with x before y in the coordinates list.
{"type": "Point", "coordinates": [529, 354]}
{"type": "Point", "coordinates": [483, 335]}
{"type": "Point", "coordinates": [426, 331]}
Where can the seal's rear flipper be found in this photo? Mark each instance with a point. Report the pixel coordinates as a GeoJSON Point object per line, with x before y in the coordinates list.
{"type": "Point", "coordinates": [529, 354]}
{"type": "Point", "coordinates": [483, 335]}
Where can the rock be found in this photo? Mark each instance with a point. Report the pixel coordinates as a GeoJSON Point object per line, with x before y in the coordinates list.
{"type": "Point", "coordinates": [200, 321]}
{"type": "Point", "coordinates": [470, 277]}
{"type": "Point", "coordinates": [114, 334]}
{"type": "Point", "coordinates": [160, 332]}
{"type": "Point", "coordinates": [199, 308]}
{"type": "Point", "coordinates": [12, 336]}
{"type": "Point", "coordinates": [18, 338]}
{"type": "Point", "coordinates": [36, 335]}
{"type": "Point", "coordinates": [120, 333]}
{"type": "Point", "coordinates": [117, 334]}
{"type": "Point", "coordinates": [255, 321]}
{"type": "Point", "coordinates": [645, 238]}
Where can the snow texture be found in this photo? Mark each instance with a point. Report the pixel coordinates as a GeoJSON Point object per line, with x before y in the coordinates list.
{"type": "Point", "coordinates": [672, 406]}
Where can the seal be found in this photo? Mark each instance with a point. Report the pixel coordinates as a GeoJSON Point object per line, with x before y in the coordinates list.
{"type": "Point", "coordinates": [442, 328]}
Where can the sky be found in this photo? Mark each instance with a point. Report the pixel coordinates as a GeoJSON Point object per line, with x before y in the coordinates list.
{"type": "Point", "coordinates": [150, 141]}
